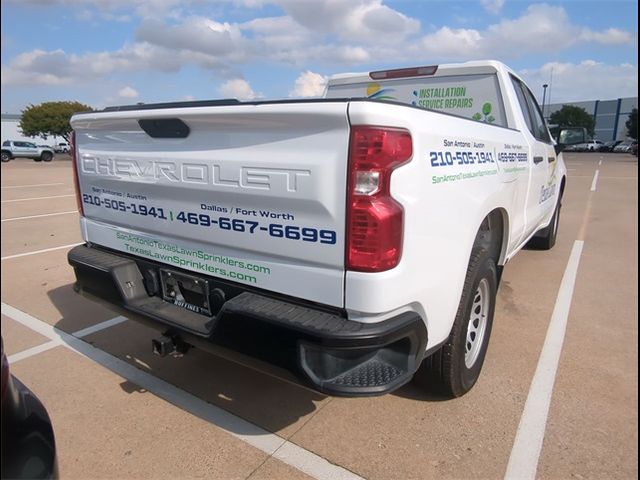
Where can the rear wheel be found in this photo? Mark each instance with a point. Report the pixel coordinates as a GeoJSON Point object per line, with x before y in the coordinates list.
{"type": "Point", "coordinates": [456, 366]}
{"type": "Point", "coordinates": [6, 156]}
{"type": "Point", "coordinates": [46, 156]}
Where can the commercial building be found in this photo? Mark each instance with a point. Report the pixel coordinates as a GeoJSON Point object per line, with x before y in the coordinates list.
{"type": "Point", "coordinates": [11, 131]}
{"type": "Point", "coordinates": [610, 116]}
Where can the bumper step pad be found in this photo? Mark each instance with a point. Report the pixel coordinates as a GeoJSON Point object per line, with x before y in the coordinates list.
{"type": "Point", "coordinates": [374, 373]}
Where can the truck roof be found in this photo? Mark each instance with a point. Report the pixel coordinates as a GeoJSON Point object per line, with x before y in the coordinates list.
{"type": "Point", "coordinates": [466, 68]}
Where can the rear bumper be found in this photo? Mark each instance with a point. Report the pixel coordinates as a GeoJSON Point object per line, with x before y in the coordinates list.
{"type": "Point", "coordinates": [335, 355]}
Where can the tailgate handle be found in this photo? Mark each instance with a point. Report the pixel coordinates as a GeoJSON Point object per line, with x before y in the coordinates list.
{"type": "Point", "coordinates": [164, 127]}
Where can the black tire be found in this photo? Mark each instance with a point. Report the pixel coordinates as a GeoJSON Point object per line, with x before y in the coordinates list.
{"type": "Point", "coordinates": [6, 156]}
{"type": "Point", "coordinates": [453, 370]}
{"type": "Point", "coordinates": [37, 159]}
{"type": "Point", "coordinates": [46, 156]}
{"type": "Point", "coordinates": [545, 239]}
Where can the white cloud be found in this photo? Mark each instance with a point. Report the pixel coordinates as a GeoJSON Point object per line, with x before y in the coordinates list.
{"type": "Point", "coordinates": [587, 80]}
{"type": "Point", "coordinates": [276, 34]}
{"type": "Point", "coordinates": [309, 84]}
{"type": "Point", "coordinates": [197, 34]}
{"type": "Point", "coordinates": [128, 92]}
{"type": "Point", "coordinates": [57, 67]}
{"type": "Point", "coordinates": [493, 6]}
{"type": "Point", "coordinates": [238, 88]}
{"type": "Point", "coordinates": [110, 10]}
{"type": "Point", "coordinates": [541, 28]}
{"type": "Point", "coordinates": [361, 20]}
{"type": "Point", "coordinates": [611, 36]}
{"type": "Point", "coordinates": [447, 42]}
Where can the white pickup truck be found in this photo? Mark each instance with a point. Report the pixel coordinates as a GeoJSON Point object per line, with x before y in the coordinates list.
{"type": "Point", "coordinates": [15, 149]}
{"type": "Point", "coordinates": [356, 239]}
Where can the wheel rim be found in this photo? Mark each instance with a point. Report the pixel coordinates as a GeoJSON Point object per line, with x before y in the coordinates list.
{"type": "Point", "coordinates": [477, 326]}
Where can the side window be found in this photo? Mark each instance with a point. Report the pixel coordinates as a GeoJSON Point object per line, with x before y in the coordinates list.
{"type": "Point", "coordinates": [531, 111]}
{"type": "Point", "coordinates": [31, 145]}
{"type": "Point", "coordinates": [524, 106]}
{"type": "Point", "coordinates": [6, 143]}
{"type": "Point", "coordinates": [539, 127]}
{"type": "Point", "coordinates": [19, 144]}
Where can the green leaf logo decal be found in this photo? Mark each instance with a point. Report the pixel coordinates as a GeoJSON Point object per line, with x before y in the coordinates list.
{"type": "Point", "coordinates": [485, 116]}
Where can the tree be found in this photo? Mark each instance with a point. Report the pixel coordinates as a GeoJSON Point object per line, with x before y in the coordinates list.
{"type": "Point", "coordinates": [632, 124]}
{"type": "Point", "coordinates": [572, 116]}
{"type": "Point", "coordinates": [50, 118]}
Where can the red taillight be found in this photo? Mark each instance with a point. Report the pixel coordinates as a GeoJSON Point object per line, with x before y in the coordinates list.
{"type": "Point", "coordinates": [74, 162]}
{"type": "Point", "coordinates": [374, 219]}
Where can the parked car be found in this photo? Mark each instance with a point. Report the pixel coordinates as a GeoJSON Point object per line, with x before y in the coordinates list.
{"type": "Point", "coordinates": [623, 147]}
{"type": "Point", "coordinates": [609, 146]}
{"type": "Point", "coordinates": [593, 146]}
{"type": "Point", "coordinates": [15, 149]}
{"type": "Point", "coordinates": [590, 146]}
{"type": "Point", "coordinates": [62, 148]}
{"type": "Point", "coordinates": [28, 443]}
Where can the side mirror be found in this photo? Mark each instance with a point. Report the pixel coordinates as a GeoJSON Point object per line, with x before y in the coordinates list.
{"type": "Point", "coordinates": [570, 136]}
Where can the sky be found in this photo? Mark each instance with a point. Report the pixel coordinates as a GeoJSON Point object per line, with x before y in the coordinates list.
{"type": "Point", "coordinates": [115, 52]}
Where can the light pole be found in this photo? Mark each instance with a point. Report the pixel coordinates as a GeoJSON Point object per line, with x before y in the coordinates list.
{"type": "Point", "coordinates": [544, 96]}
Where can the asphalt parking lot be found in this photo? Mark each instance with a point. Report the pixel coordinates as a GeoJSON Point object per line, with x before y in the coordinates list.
{"type": "Point", "coordinates": [121, 412]}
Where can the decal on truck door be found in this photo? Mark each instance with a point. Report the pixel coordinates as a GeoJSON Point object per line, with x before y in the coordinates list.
{"type": "Point", "coordinates": [467, 158]}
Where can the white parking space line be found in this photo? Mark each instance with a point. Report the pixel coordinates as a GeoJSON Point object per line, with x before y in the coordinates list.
{"type": "Point", "coordinates": [36, 198]}
{"type": "Point", "coordinates": [99, 326]}
{"type": "Point", "coordinates": [33, 185]}
{"type": "Point", "coordinates": [13, 219]}
{"type": "Point", "coordinates": [527, 446]}
{"type": "Point", "coordinates": [18, 255]}
{"type": "Point", "coordinates": [30, 352]}
{"type": "Point", "coordinates": [594, 183]}
{"type": "Point", "coordinates": [270, 443]}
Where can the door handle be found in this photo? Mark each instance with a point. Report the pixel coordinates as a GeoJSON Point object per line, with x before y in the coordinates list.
{"type": "Point", "coordinates": [551, 159]}
{"type": "Point", "coordinates": [537, 160]}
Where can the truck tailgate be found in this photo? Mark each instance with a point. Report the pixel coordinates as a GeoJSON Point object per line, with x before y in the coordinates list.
{"type": "Point", "coordinates": [253, 193]}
